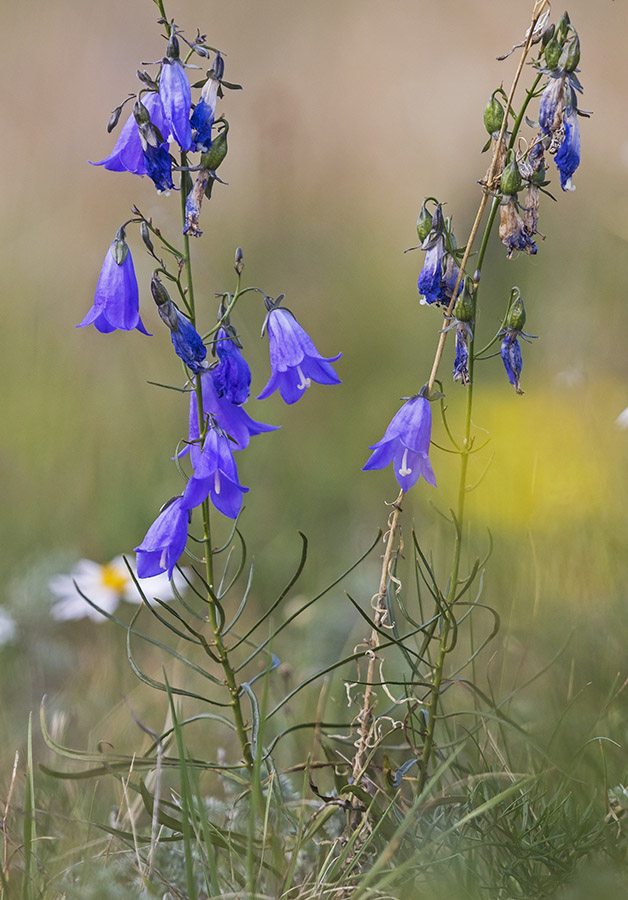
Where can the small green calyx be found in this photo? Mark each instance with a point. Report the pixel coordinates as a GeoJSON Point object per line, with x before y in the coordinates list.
{"type": "Point", "coordinates": [217, 152]}
{"type": "Point", "coordinates": [570, 57]}
{"type": "Point", "coordinates": [463, 310]}
{"type": "Point", "coordinates": [553, 52]}
{"type": "Point", "coordinates": [423, 223]}
{"type": "Point", "coordinates": [160, 294]}
{"type": "Point", "coordinates": [511, 179]}
{"type": "Point", "coordinates": [516, 316]}
{"type": "Point", "coordinates": [120, 248]}
{"type": "Point", "coordinates": [493, 115]}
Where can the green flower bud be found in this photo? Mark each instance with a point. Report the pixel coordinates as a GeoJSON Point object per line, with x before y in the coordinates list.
{"type": "Point", "coordinates": [493, 115]}
{"type": "Point", "coordinates": [160, 294]}
{"type": "Point", "coordinates": [511, 179]}
{"type": "Point", "coordinates": [217, 152]}
{"type": "Point", "coordinates": [553, 51]}
{"type": "Point", "coordinates": [562, 27]}
{"type": "Point", "coordinates": [239, 260]}
{"type": "Point", "coordinates": [516, 317]}
{"type": "Point", "coordinates": [145, 234]}
{"type": "Point", "coordinates": [570, 57]}
{"type": "Point", "coordinates": [463, 309]}
{"type": "Point", "coordinates": [423, 223]}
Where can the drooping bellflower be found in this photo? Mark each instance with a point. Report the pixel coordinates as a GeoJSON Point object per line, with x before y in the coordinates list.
{"type": "Point", "coordinates": [567, 158]}
{"type": "Point", "coordinates": [510, 348]}
{"type": "Point", "coordinates": [127, 154]}
{"type": "Point", "coordinates": [294, 360]}
{"type": "Point", "coordinates": [176, 96]}
{"type": "Point", "coordinates": [164, 541]}
{"type": "Point", "coordinates": [406, 444]}
{"type": "Point", "coordinates": [204, 113]}
{"type": "Point", "coordinates": [187, 342]}
{"type": "Point", "coordinates": [429, 282]}
{"type": "Point", "coordinates": [232, 375]}
{"type": "Point", "coordinates": [116, 302]}
{"type": "Point", "coordinates": [155, 149]}
{"type": "Point", "coordinates": [216, 476]}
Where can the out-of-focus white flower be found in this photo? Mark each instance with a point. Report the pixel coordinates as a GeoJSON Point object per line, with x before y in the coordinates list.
{"type": "Point", "coordinates": [105, 585]}
{"type": "Point", "coordinates": [8, 628]}
{"type": "Point", "coordinates": [622, 419]}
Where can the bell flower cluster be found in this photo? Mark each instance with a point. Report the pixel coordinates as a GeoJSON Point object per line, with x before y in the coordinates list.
{"type": "Point", "coordinates": [228, 428]}
{"type": "Point", "coordinates": [164, 112]}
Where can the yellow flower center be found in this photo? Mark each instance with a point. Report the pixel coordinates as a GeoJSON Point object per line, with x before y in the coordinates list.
{"type": "Point", "coordinates": [112, 578]}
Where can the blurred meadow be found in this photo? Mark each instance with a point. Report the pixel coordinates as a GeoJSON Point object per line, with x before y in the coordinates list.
{"type": "Point", "coordinates": [352, 112]}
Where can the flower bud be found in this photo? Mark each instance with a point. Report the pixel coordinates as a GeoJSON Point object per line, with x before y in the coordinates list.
{"type": "Point", "coordinates": [516, 316]}
{"type": "Point", "coordinates": [239, 261]}
{"type": "Point", "coordinates": [217, 152]}
{"type": "Point", "coordinates": [145, 235]}
{"type": "Point", "coordinates": [510, 181]}
{"type": "Point", "coordinates": [423, 223]}
{"type": "Point", "coordinates": [553, 51]}
{"type": "Point", "coordinates": [160, 294]}
{"type": "Point", "coordinates": [570, 57]}
{"type": "Point", "coordinates": [463, 310]}
{"type": "Point", "coordinates": [562, 27]}
{"type": "Point", "coordinates": [493, 115]}
{"type": "Point", "coordinates": [113, 119]}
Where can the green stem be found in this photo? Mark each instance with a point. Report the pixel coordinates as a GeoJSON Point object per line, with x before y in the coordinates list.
{"type": "Point", "coordinates": [212, 611]}
{"type": "Point", "coordinates": [465, 451]}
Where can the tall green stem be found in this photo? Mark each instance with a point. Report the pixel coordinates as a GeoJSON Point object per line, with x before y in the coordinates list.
{"type": "Point", "coordinates": [467, 444]}
{"type": "Point", "coordinates": [212, 611]}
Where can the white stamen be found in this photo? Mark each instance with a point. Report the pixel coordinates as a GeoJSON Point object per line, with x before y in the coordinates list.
{"type": "Point", "coordinates": [217, 481]}
{"type": "Point", "coordinates": [304, 382]}
{"type": "Point", "coordinates": [404, 470]}
{"type": "Point", "coordinates": [163, 559]}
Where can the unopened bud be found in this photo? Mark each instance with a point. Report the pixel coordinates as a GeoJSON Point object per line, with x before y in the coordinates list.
{"type": "Point", "coordinates": [511, 179]}
{"type": "Point", "coordinates": [570, 57]}
{"type": "Point", "coordinates": [516, 317]}
{"type": "Point", "coordinates": [562, 27]}
{"type": "Point", "coordinates": [217, 152]}
{"type": "Point", "coordinates": [145, 235]}
{"type": "Point", "coordinates": [160, 294]}
{"type": "Point", "coordinates": [463, 310]}
{"type": "Point", "coordinates": [113, 119]}
{"type": "Point", "coordinates": [493, 115]}
{"type": "Point", "coordinates": [239, 261]}
{"type": "Point", "coordinates": [423, 223]}
{"type": "Point", "coordinates": [553, 51]}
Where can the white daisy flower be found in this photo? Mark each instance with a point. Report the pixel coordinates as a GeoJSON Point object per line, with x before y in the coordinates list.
{"type": "Point", "coordinates": [8, 629]}
{"type": "Point", "coordinates": [105, 585]}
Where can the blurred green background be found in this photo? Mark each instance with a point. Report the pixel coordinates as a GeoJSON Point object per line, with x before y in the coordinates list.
{"type": "Point", "coordinates": [352, 112]}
